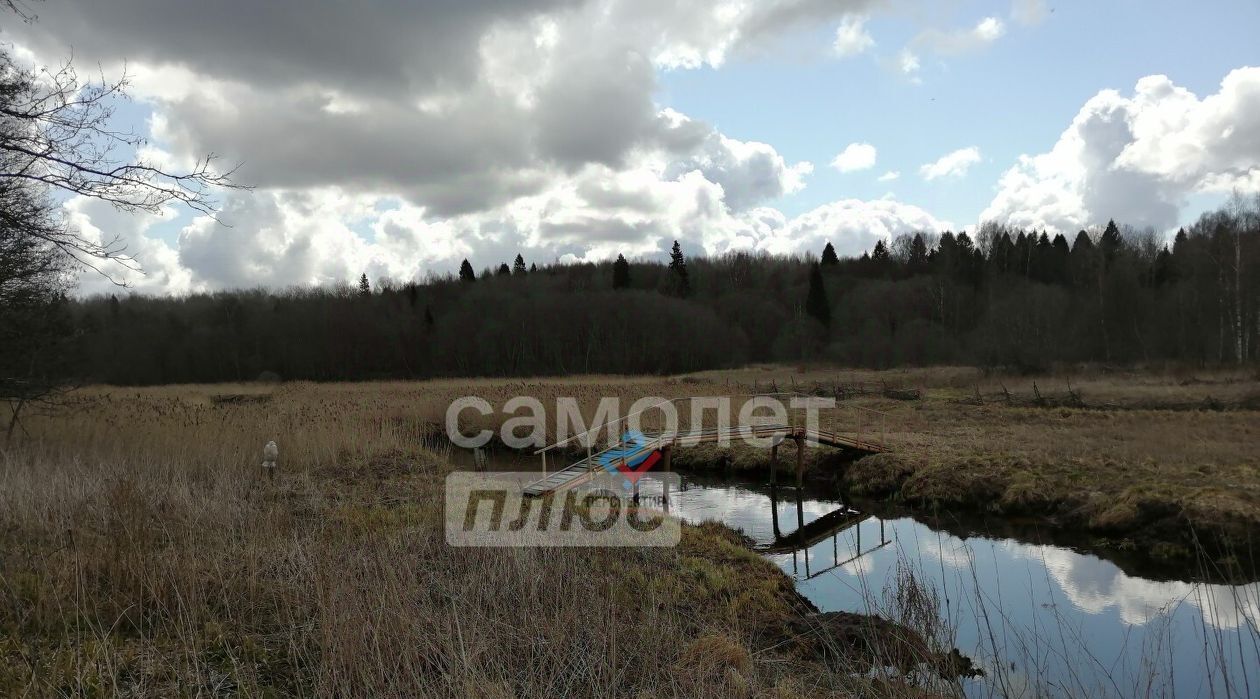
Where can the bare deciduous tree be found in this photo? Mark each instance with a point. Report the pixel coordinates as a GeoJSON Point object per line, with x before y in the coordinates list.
{"type": "Point", "coordinates": [57, 130]}
{"type": "Point", "coordinates": [58, 137]}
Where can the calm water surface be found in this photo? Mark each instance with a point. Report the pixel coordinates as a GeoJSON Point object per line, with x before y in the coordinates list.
{"type": "Point", "coordinates": [1054, 620]}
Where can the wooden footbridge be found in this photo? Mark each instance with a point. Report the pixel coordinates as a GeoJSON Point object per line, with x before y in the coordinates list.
{"type": "Point", "coordinates": [665, 442]}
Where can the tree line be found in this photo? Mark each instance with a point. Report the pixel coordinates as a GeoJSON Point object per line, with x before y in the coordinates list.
{"type": "Point", "coordinates": [1010, 298]}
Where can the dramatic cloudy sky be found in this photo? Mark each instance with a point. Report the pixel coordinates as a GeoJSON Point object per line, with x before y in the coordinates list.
{"type": "Point", "coordinates": [399, 137]}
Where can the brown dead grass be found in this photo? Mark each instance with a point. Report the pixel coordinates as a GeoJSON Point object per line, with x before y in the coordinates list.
{"type": "Point", "coordinates": [143, 553]}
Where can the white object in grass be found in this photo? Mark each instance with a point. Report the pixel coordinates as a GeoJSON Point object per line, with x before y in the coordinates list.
{"type": "Point", "coordinates": [270, 454]}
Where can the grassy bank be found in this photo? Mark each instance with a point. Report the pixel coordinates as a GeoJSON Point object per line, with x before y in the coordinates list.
{"type": "Point", "coordinates": [144, 553]}
{"type": "Point", "coordinates": [1158, 466]}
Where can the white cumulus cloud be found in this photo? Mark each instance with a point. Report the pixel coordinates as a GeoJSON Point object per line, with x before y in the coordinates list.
{"type": "Point", "coordinates": [954, 164]}
{"type": "Point", "coordinates": [889, 176]}
{"type": "Point", "coordinates": [1137, 158]}
{"type": "Point", "coordinates": [908, 63]}
{"type": "Point", "coordinates": [852, 225]}
{"type": "Point", "coordinates": [854, 157]}
{"type": "Point", "coordinates": [985, 32]}
{"type": "Point", "coordinates": [852, 37]}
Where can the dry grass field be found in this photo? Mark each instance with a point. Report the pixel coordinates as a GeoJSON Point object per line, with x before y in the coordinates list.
{"type": "Point", "coordinates": [143, 552]}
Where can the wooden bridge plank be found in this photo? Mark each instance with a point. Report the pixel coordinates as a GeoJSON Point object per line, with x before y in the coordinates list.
{"type": "Point", "coordinates": [585, 466]}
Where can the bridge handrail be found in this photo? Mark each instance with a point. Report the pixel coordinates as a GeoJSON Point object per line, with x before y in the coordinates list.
{"type": "Point", "coordinates": [602, 425]}
{"type": "Point", "coordinates": [617, 420]}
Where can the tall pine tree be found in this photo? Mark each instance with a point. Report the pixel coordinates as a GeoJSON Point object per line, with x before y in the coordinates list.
{"type": "Point", "coordinates": [1110, 243]}
{"type": "Point", "coordinates": [621, 273]}
{"type": "Point", "coordinates": [365, 289]}
{"type": "Point", "coordinates": [518, 266]}
{"type": "Point", "coordinates": [680, 280]}
{"type": "Point", "coordinates": [881, 264]}
{"type": "Point", "coordinates": [466, 273]}
{"type": "Point", "coordinates": [829, 258]}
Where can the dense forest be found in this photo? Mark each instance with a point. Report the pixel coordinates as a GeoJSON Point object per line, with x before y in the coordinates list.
{"type": "Point", "coordinates": [1018, 299]}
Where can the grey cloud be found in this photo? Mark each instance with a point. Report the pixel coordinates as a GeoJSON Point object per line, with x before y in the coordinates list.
{"type": "Point", "coordinates": [770, 18]}
{"type": "Point", "coordinates": [592, 228]}
{"type": "Point", "coordinates": [468, 159]}
{"type": "Point", "coordinates": [266, 73]}
{"type": "Point", "coordinates": [596, 108]}
{"type": "Point", "coordinates": [261, 247]}
{"type": "Point", "coordinates": [606, 194]}
{"type": "Point", "coordinates": [377, 47]}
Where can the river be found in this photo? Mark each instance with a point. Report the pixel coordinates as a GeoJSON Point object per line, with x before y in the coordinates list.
{"type": "Point", "coordinates": [1040, 619]}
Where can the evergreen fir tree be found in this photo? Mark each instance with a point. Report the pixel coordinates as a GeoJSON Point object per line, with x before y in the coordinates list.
{"type": "Point", "coordinates": [1082, 244]}
{"type": "Point", "coordinates": [621, 273]}
{"type": "Point", "coordinates": [879, 259]}
{"type": "Point", "coordinates": [1081, 262]}
{"type": "Point", "coordinates": [1165, 272]}
{"type": "Point", "coordinates": [829, 256]}
{"type": "Point", "coordinates": [1061, 253]}
{"type": "Point", "coordinates": [466, 273]}
{"type": "Point", "coordinates": [518, 266]}
{"type": "Point", "coordinates": [678, 272]}
{"type": "Point", "coordinates": [504, 271]}
{"type": "Point", "coordinates": [816, 304]}
{"type": "Point", "coordinates": [1110, 243]}
{"type": "Point", "coordinates": [365, 289]}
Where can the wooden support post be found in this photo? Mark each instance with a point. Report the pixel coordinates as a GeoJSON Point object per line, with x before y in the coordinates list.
{"type": "Point", "coordinates": [800, 461]}
{"type": "Point", "coordinates": [667, 467]}
{"type": "Point", "coordinates": [800, 492]}
{"type": "Point", "coordinates": [774, 511]}
{"type": "Point", "coordinates": [800, 520]}
{"type": "Point", "coordinates": [774, 464]}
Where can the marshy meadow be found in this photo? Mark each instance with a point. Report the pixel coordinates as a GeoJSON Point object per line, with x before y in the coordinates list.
{"type": "Point", "coordinates": [147, 552]}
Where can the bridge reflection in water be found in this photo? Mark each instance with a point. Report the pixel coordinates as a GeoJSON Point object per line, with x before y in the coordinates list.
{"type": "Point", "coordinates": [802, 541]}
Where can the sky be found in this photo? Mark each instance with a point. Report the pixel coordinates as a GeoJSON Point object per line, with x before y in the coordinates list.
{"type": "Point", "coordinates": [398, 138]}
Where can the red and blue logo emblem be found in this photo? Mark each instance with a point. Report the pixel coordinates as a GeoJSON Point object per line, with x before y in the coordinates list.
{"type": "Point", "coordinates": [631, 459]}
